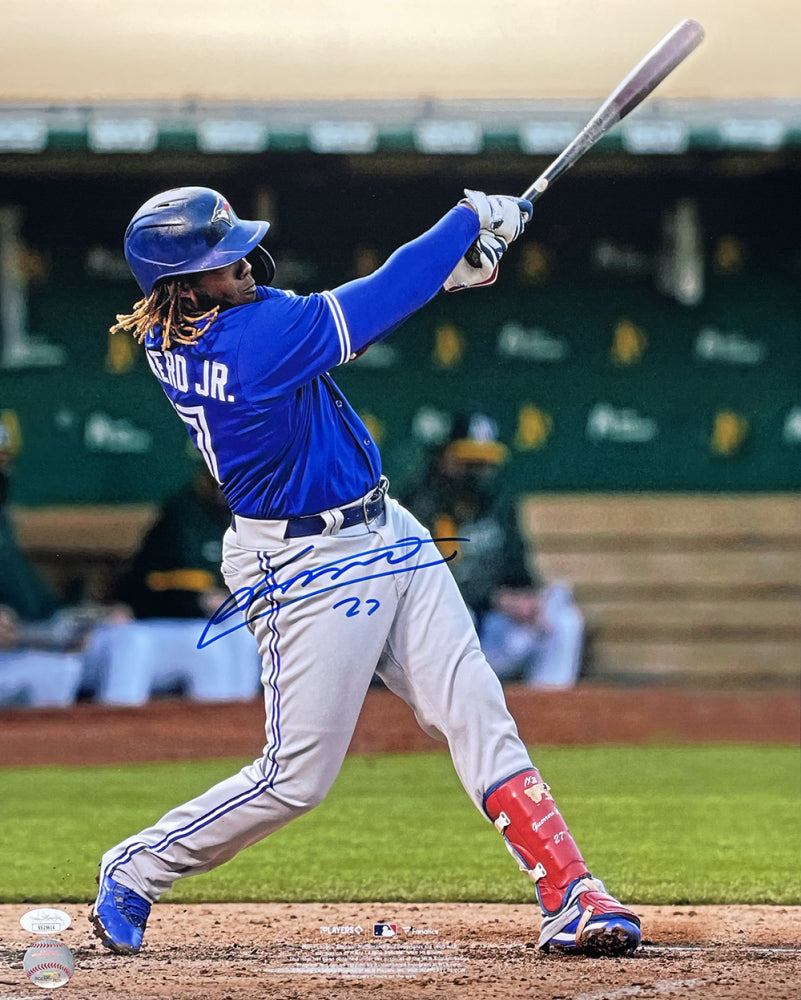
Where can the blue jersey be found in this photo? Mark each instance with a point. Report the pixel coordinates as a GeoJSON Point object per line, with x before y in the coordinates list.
{"type": "Point", "coordinates": [255, 391]}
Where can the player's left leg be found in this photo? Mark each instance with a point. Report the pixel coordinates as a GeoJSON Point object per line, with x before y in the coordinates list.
{"type": "Point", "coordinates": [434, 662]}
{"type": "Point", "coordinates": [578, 912]}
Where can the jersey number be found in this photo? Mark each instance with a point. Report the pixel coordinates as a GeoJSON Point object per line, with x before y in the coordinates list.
{"type": "Point", "coordinates": [195, 419]}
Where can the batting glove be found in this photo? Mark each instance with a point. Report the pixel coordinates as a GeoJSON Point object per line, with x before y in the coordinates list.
{"type": "Point", "coordinates": [479, 266]}
{"type": "Point", "coordinates": [500, 213]}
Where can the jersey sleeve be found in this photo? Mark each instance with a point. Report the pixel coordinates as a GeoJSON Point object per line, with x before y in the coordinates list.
{"type": "Point", "coordinates": [377, 304]}
{"type": "Point", "coordinates": [288, 339]}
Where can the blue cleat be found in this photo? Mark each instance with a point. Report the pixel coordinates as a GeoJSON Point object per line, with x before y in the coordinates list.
{"type": "Point", "coordinates": [119, 917]}
{"type": "Point", "coordinates": [591, 921]}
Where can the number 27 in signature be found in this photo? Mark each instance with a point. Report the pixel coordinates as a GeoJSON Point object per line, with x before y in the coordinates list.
{"type": "Point", "coordinates": [355, 605]}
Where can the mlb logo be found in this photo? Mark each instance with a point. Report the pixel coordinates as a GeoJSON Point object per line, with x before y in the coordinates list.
{"type": "Point", "coordinates": [385, 930]}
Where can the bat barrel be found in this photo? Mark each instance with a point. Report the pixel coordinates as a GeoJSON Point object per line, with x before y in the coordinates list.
{"type": "Point", "coordinates": [652, 70]}
{"type": "Point", "coordinates": [631, 91]}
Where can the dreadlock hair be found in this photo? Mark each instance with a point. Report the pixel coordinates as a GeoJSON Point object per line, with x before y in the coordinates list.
{"type": "Point", "coordinates": [179, 321]}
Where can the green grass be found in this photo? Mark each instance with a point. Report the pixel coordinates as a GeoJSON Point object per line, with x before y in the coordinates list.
{"type": "Point", "coordinates": [701, 824]}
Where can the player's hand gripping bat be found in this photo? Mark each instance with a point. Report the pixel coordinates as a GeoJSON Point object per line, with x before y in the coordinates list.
{"type": "Point", "coordinates": [645, 77]}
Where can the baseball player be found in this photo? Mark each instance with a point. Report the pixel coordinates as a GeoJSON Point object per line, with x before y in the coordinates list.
{"type": "Point", "coordinates": [337, 580]}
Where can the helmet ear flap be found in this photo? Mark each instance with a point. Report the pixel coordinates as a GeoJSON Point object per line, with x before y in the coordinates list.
{"type": "Point", "coordinates": [263, 265]}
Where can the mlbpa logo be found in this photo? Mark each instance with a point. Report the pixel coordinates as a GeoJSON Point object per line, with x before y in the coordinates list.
{"type": "Point", "coordinates": [385, 930]}
{"type": "Point", "coordinates": [536, 789]}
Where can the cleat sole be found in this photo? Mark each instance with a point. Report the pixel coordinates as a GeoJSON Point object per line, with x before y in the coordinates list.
{"type": "Point", "coordinates": [611, 939]}
{"type": "Point", "coordinates": [99, 931]}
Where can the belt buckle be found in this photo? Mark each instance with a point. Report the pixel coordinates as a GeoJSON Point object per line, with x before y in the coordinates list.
{"type": "Point", "coordinates": [376, 494]}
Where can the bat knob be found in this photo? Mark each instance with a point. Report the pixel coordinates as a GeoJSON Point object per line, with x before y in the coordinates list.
{"type": "Point", "coordinates": [473, 256]}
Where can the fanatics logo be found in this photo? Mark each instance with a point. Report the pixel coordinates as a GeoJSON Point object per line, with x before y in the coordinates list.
{"type": "Point", "coordinates": [222, 213]}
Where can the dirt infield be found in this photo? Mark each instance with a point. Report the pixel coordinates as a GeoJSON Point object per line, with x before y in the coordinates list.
{"type": "Point", "coordinates": [475, 951]}
{"type": "Point", "coordinates": [179, 730]}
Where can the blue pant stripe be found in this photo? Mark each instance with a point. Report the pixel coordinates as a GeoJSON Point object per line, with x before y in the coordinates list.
{"type": "Point", "coordinates": [271, 751]}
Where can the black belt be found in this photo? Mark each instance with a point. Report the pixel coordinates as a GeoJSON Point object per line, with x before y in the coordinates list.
{"type": "Point", "coordinates": [361, 513]}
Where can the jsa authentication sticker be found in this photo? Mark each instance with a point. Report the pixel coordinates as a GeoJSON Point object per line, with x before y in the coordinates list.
{"type": "Point", "coordinates": [45, 921]}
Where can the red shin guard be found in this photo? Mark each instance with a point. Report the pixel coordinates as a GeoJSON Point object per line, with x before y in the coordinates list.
{"type": "Point", "coordinates": [536, 834]}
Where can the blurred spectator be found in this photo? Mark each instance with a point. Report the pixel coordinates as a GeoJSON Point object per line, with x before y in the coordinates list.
{"type": "Point", "coordinates": [173, 586]}
{"type": "Point", "coordinates": [530, 629]}
{"type": "Point", "coordinates": [39, 640]}
{"type": "Point", "coordinates": [176, 572]}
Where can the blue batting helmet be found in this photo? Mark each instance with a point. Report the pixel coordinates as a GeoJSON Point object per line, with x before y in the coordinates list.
{"type": "Point", "coordinates": [192, 229]}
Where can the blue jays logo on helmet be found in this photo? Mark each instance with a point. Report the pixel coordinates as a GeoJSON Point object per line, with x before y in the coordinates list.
{"type": "Point", "coordinates": [189, 230]}
{"type": "Point", "coordinates": [222, 212]}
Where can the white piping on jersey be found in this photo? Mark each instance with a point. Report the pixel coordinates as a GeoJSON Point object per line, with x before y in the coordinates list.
{"type": "Point", "coordinates": [341, 325]}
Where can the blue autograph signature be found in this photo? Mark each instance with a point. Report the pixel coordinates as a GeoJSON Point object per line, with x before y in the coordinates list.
{"type": "Point", "coordinates": [333, 575]}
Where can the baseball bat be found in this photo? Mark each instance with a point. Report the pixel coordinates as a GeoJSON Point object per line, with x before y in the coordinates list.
{"type": "Point", "coordinates": [644, 78]}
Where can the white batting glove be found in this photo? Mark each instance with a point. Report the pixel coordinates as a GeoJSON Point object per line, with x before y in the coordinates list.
{"type": "Point", "coordinates": [501, 214]}
{"type": "Point", "coordinates": [479, 266]}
